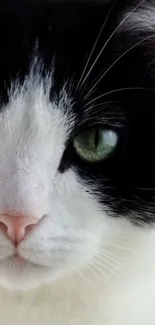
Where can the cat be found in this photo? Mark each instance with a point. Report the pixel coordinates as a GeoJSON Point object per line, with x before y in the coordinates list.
{"type": "Point", "coordinates": [77, 160]}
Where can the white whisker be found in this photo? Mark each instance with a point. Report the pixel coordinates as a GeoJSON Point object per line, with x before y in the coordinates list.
{"type": "Point", "coordinates": [100, 104]}
{"type": "Point", "coordinates": [108, 266]}
{"type": "Point", "coordinates": [101, 276]}
{"type": "Point", "coordinates": [101, 270]}
{"type": "Point", "coordinates": [115, 91]}
{"type": "Point", "coordinates": [123, 248]}
{"type": "Point", "coordinates": [80, 83]}
{"type": "Point", "coordinates": [145, 188]}
{"type": "Point", "coordinates": [86, 279]}
{"type": "Point", "coordinates": [114, 63]}
{"type": "Point", "coordinates": [111, 258]}
{"type": "Point", "coordinates": [110, 37]}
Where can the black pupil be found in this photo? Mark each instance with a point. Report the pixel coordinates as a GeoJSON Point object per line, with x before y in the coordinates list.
{"type": "Point", "coordinates": [96, 138]}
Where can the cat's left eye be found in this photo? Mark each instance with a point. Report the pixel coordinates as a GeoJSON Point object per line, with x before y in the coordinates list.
{"type": "Point", "coordinates": [95, 144]}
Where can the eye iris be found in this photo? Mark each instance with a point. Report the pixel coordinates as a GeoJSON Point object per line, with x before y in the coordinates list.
{"type": "Point", "coordinates": [95, 144]}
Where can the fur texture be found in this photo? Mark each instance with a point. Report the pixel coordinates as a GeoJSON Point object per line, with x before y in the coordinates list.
{"type": "Point", "coordinates": [66, 67]}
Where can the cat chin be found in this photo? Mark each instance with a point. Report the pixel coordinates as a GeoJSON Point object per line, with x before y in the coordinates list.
{"type": "Point", "coordinates": [16, 274]}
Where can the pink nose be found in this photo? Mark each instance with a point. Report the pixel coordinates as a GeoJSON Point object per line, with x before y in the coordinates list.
{"type": "Point", "coordinates": [16, 228]}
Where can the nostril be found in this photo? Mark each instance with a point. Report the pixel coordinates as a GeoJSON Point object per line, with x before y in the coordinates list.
{"type": "Point", "coordinates": [29, 229]}
{"type": "Point", "coordinates": [7, 229]}
{"type": "Point", "coordinates": [3, 227]}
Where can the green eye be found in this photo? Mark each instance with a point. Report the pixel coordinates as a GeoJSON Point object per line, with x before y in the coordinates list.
{"type": "Point", "coordinates": [95, 144]}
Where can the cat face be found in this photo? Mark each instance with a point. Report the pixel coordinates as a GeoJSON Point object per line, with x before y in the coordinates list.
{"type": "Point", "coordinates": [76, 131]}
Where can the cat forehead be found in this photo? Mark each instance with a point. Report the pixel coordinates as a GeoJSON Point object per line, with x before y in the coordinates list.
{"type": "Point", "coordinates": [34, 97]}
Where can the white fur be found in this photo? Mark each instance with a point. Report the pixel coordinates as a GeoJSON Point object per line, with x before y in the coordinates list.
{"type": "Point", "coordinates": [92, 297]}
{"type": "Point", "coordinates": [143, 19]}
{"type": "Point", "coordinates": [83, 266]}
